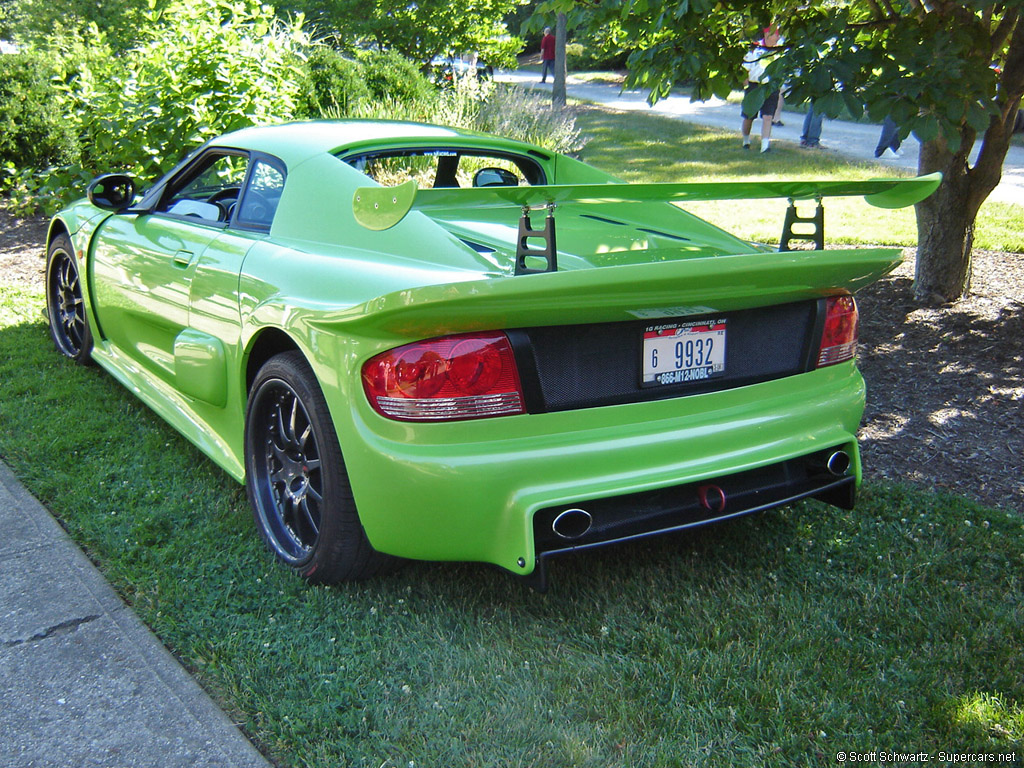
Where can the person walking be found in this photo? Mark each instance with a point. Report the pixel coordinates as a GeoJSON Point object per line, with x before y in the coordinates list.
{"type": "Point", "coordinates": [754, 62]}
{"type": "Point", "coordinates": [547, 55]}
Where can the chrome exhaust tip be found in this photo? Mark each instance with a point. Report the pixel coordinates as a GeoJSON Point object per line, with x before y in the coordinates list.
{"type": "Point", "coordinates": [572, 523]}
{"type": "Point", "coordinates": [838, 463]}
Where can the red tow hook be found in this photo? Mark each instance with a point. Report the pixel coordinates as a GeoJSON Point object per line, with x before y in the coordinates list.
{"type": "Point", "coordinates": [712, 498]}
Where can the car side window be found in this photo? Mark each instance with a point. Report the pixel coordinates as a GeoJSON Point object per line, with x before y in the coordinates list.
{"type": "Point", "coordinates": [210, 191]}
{"type": "Point", "coordinates": [262, 195]}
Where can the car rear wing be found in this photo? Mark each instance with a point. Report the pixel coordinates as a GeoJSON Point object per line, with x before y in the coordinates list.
{"type": "Point", "coordinates": [379, 208]}
{"type": "Point", "coordinates": [649, 291]}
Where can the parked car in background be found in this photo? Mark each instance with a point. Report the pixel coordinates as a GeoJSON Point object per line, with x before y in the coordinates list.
{"type": "Point", "coordinates": [445, 69]}
{"type": "Point", "coordinates": [410, 341]}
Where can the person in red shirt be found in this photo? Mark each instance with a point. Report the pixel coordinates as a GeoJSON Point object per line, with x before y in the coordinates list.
{"type": "Point", "coordinates": [547, 55]}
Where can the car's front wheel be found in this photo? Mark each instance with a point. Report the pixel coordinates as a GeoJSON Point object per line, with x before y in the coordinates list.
{"type": "Point", "coordinates": [296, 478]}
{"type": "Point", "coordinates": [65, 308]}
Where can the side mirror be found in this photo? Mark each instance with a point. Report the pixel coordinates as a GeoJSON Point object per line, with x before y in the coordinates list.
{"type": "Point", "coordinates": [495, 177]}
{"type": "Point", "coordinates": [112, 191]}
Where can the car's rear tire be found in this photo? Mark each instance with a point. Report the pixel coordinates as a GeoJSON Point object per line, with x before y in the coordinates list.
{"type": "Point", "coordinates": [65, 307]}
{"type": "Point", "coordinates": [296, 478]}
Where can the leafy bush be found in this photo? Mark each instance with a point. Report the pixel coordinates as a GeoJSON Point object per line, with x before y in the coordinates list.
{"type": "Point", "coordinates": [333, 84]}
{"type": "Point", "coordinates": [203, 68]}
{"type": "Point", "coordinates": [391, 76]}
{"type": "Point", "coordinates": [594, 53]}
{"type": "Point", "coordinates": [32, 132]}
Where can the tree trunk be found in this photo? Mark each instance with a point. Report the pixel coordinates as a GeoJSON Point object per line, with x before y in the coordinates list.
{"type": "Point", "coordinates": [945, 221]}
{"type": "Point", "coordinates": [945, 234]}
{"type": "Point", "coordinates": [945, 224]}
{"type": "Point", "coordinates": [558, 98]}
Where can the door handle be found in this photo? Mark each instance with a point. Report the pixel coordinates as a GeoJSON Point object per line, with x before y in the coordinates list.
{"type": "Point", "coordinates": [183, 258]}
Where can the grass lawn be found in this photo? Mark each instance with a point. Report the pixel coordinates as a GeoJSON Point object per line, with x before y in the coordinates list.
{"type": "Point", "coordinates": [778, 640]}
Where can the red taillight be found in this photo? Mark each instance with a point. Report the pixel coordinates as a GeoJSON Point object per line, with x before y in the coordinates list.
{"type": "Point", "coordinates": [470, 376]}
{"type": "Point", "coordinates": [839, 339]}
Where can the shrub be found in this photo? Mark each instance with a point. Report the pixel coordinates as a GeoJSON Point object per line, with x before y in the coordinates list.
{"type": "Point", "coordinates": [333, 85]}
{"type": "Point", "coordinates": [391, 76]}
{"type": "Point", "coordinates": [483, 105]}
{"type": "Point", "coordinates": [32, 132]}
{"type": "Point", "coordinates": [203, 68]}
{"type": "Point", "coordinates": [594, 54]}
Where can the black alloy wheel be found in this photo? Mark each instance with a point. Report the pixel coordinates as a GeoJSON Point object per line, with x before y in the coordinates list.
{"type": "Point", "coordinates": [296, 478]}
{"type": "Point", "coordinates": [65, 307]}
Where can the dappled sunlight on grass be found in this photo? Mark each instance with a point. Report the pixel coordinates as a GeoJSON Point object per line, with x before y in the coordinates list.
{"type": "Point", "coordinates": [988, 715]}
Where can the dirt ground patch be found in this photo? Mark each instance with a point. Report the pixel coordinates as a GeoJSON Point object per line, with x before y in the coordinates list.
{"type": "Point", "coordinates": [945, 385]}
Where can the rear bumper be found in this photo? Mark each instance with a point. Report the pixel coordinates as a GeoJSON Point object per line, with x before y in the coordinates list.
{"type": "Point", "coordinates": [480, 491]}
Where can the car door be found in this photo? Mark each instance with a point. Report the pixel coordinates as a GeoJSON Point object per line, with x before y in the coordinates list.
{"type": "Point", "coordinates": [144, 263]}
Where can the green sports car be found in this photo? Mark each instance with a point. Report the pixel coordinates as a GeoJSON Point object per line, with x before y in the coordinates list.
{"type": "Point", "coordinates": [360, 321]}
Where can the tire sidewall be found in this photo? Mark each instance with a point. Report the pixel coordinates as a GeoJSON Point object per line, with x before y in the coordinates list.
{"type": "Point", "coordinates": [61, 246]}
{"type": "Point", "coordinates": [291, 370]}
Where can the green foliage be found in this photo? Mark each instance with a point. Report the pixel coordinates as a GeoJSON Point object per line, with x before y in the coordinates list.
{"type": "Point", "coordinates": [32, 132]}
{"type": "Point", "coordinates": [37, 21]}
{"type": "Point", "coordinates": [390, 75]}
{"type": "Point", "coordinates": [419, 31]}
{"type": "Point", "coordinates": [201, 69]}
{"type": "Point", "coordinates": [588, 54]}
{"type": "Point", "coordinates": [334, 84]}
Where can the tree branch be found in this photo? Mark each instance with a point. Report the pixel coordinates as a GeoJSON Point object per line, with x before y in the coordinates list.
{"type": "Point", "coordinates": [987, 170]}
{"type": "Point", "coordinates": [1004, 29]}
{"type": "Point", "coordinates": [879, 13]}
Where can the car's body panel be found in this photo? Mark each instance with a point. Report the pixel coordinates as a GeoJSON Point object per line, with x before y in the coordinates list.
{"type": "Point", "coordinates": [184, 312]}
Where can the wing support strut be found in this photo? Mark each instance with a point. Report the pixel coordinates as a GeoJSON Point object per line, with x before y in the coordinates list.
{"type": "Point", "coordinates": [816, 236]}
{"type": "Point", "coordinates": [523, 248]}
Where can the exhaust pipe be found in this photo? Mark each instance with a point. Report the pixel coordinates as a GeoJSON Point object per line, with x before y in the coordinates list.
{"type": "Point", "coordinates": [838, 463]}
{"type": "Point", "coordinates": [572, 523]}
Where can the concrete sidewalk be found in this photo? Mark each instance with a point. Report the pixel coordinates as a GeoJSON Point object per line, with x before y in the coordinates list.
{"type": "Point", "coordinates": [83, 683]}
{"type": "Point", "coordinates": [856, 141]}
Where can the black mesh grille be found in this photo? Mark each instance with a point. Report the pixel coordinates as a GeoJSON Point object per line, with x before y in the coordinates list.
{"type": "Point", "coordinates": [585, 366]}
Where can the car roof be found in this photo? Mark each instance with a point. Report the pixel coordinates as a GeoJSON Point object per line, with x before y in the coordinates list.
{"type": "Point", "coordinates": [298, 141]}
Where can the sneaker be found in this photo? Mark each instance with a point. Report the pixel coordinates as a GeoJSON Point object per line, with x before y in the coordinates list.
{"type": "Point", "coordinates": [766, 150]}
{"type": "Point", "coordinates": [778, 123]}
{"type": "Point", "coordinates": [746, 144]}
{"type": "Point", "coordinates": [891, 154]}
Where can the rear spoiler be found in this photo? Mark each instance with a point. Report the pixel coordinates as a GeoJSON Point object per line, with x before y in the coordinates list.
{"type": "Point", "coordinates": [615, 294]}
{"type": "Point", "coordinates": [380, 208]}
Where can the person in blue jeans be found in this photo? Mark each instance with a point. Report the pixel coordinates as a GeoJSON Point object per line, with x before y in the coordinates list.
{"type": "Point", "coordinates": [811, 137]}
{"type": "Point", "coordinates": [889, 142]}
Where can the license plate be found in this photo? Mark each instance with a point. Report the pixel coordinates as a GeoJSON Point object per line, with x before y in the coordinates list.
{"type": "Point", "coordinates": [681, 353]}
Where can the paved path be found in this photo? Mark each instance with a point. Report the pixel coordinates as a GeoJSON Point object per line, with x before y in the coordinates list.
{"type": "Point", "coordinates": [83, 683]}
{"type": "Point", "coordinates": [856, 141]}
